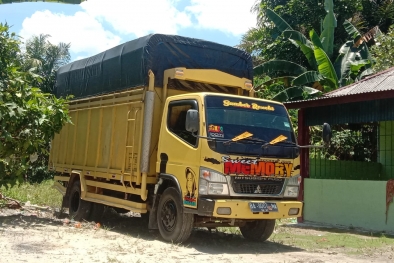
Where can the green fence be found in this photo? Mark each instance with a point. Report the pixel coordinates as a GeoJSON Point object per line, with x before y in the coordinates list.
{"type": "Point", "coordinates": [346, 170]}
{"type": "Point", "coordinates": [356, 152]}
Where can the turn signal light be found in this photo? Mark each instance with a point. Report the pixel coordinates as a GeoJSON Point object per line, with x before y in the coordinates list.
{"type": "Point", "coordinates": [223, 211]}
{"type": "Point", "coordinates": [293, 211]}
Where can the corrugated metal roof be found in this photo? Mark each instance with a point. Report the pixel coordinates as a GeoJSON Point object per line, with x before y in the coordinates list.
{"type": "Point", "coordinates": [382, 81]}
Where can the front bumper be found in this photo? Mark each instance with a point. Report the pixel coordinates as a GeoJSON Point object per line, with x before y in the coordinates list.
{"type": "Point", "coordinates": [240, 209]}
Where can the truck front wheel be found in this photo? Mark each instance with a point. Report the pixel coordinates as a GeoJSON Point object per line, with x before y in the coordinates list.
{"type": "Point", "coordinates": [174, 225]}
{"type": "Point", "coordinates": [259, 230]}
{"type": "Point", "coordinates": [78, 209]}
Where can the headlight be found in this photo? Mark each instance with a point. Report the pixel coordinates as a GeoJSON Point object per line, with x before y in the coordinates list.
{"type": "Point", "coordinates": [203, 187]}
{"type": "Point", "coordinates": [292, 186]}
{"type": "Point", "coordinates": [217, 189]}
{"type": "Point", "coordinates": [212, 183]}
{"type": "Point", "coordinates": [291, 191]}
{"type": "Point", "coordinates": [212, 176]}
{"type": "Point", "coordinates": [295, 180]}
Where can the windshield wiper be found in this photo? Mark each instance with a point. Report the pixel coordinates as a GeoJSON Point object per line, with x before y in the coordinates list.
{"type": "Point", "coordinates": [242, 136]}
{"type": "Point", "coordinates": [250, 140]}
{"type": "Point", "coordinates": [278, 139]}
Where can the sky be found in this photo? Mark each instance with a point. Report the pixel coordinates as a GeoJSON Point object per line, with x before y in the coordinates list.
{"type": "Point", "coordinates": [97, 25]}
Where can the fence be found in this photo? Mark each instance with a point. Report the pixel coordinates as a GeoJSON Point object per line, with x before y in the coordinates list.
{"type": "Point", "coordinates": [356, 152]}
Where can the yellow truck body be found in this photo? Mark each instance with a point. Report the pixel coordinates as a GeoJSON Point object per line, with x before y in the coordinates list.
{"type": "Point", "coordinates": [132, 150]}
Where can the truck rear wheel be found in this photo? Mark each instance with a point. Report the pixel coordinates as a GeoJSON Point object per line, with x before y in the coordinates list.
{"type": "Point", "coordinates": [174, 225]}
{"type": "Point", "coordinates": [259, 230]}
{"type": "Point", "coordinates": [78, 209]}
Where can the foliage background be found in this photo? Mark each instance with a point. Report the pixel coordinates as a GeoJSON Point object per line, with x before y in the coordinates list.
{"type": "Point", "coordinates": [29, 118]}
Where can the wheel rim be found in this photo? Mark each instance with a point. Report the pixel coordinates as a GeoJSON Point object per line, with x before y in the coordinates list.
{"type": "Point", "coordinates": [168, 215]}
{"type": "Point", "coordinates": [74, 202]}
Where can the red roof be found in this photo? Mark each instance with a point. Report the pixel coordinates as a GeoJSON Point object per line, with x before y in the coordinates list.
{"type": "Point", "coordinates": [377, 86]}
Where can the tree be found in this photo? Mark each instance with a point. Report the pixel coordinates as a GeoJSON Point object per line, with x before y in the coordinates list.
{"type": "Point", "coordinates": [383, 51]}
{"type": "Point", "coordinates": [45, 58]}
{"type": "Point", "coordinates": [29, 118]}
{"type": "Point", "coordinates": [352, 63]}
{"type": "Point", "coordinates": [304, 15]}
{"type": "Point", "coordinates": [378, 12]}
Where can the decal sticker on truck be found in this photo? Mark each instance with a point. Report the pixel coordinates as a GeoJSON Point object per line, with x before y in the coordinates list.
{"type": "Point", "coordinates": [252, 106]}
{"type": "Point", "coordinates": [189, 198]}
{"type": "Point", "coordinates": [256, 167]}
{"type": "Point", "coordinates": [215, 131]}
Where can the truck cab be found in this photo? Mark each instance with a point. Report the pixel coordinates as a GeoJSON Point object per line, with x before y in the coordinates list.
{"type": "Point", "coordinates": [231, 160]}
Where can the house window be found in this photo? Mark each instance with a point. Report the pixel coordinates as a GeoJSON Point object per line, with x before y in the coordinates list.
{"type": "Point", "coordinates": [176, 120]}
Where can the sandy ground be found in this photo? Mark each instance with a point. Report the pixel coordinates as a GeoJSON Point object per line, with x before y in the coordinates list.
{"type": "Point", "coordinates": [31, 235]}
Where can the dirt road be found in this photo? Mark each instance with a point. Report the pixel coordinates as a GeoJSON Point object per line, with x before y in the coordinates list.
{"type": "Point", "coordinates": [37, 236]}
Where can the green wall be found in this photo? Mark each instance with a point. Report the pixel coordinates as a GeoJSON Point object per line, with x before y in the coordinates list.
{"type": "Point", "coordinates": [361, 204]}
{"type": "Point", "coordinates": [386, 146]}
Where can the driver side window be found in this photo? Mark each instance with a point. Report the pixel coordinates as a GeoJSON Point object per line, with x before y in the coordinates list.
{"type": "Point", "coordinates": [176, 120]}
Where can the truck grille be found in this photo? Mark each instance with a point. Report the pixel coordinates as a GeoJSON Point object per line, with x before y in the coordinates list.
{"type": "Point", "coordinates": [261, 187]}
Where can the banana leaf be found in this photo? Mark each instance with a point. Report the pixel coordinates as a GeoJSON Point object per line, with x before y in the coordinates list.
{"type": "Point", "coordinates": [304, 44]}
{"type": "Point", "coordinates": [296, 93]}
{"type": "Point", "coordinates": [279, 22]}
{"type": "Point", "coordinates": [306, 78]}
{"type": "Point", "coordinates": [325, 66]}
{"type": "Point", "coordinates": [313, 77]}
{"type": "Point", "coordinates": [365, 73]}
{"type": "Point", "coordinates": [286, 80]}
{"type": "Point", "coordinates": [279, 66]}
{"type": "Point", "coordinates": [315, 39]}
{"type": "Point", "coordinates": [348, 56]}
{"type": "Point", "coordinates": [329, 25]}
{"type": "Point", "coordinates": [355, 66]}
{"type": "Point", "coordinates": [351, 30]}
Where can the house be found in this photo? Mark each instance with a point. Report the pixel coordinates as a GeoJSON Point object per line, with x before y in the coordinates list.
{"type": "Point", "coordinates": [356, 187]}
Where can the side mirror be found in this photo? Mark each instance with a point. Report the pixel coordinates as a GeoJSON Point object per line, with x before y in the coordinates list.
{"type": "Point", "coordinates": [327, 133]}
{"type": "Point", "coordinates": [192, 121]}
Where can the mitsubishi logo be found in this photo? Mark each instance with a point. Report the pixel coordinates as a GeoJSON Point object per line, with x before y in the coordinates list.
{"type": "Point", "coordinates": [258, 190]}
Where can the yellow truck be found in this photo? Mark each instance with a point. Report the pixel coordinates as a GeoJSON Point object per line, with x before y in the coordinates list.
{"type": "Point", "coordinates": [169, 126]}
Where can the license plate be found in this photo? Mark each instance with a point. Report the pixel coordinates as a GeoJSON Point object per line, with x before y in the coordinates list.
{"type": "Point", "coordinates": [263, 207]}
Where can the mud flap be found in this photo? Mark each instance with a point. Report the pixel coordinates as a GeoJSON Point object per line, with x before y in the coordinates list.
{"type": "Point", "coordinates": [153, 213]}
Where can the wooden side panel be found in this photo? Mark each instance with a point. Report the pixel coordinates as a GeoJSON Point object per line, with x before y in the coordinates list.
{"type": "Point", "coordinates": [69, 134]}
{"type": "Point", "coordinates": [78, 149]}
{"type": "Point", "coordinates": [97, 139]}
{"type": "Point", "coordinates": [105, 141]}
{"type": "Point", "coordinates": [93, 138]}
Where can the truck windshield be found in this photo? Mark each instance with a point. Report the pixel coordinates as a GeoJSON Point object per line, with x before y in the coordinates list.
{"type": "Point", "coordinates": [229, 117]}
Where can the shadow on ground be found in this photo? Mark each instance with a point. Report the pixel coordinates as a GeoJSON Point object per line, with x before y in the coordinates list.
{"type": "Point", "coordinates": [201, 239]}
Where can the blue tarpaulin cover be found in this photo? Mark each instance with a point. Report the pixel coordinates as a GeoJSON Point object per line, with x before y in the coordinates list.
{"type": "Point", "coordinates": [127, 65]}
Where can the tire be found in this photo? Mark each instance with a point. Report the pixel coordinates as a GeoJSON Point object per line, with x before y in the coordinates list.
{"type": "Point", "coordinates": [97, 212]}
{"type": "Point", "coordinates": [78, 209]}
{"type": "Point", "coordinates": [174, 225]}
{"type": "Point", "coordinates": [259, 230]}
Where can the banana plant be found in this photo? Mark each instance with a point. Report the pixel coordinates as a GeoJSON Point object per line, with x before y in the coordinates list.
{"type": "Point", "coordinates": [354, 55]}
{"type": "Point", "coordinates": [324, 76]}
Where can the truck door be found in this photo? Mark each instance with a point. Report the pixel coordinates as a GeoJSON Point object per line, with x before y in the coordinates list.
{"type": "Point", "coordinates": [179, 152]}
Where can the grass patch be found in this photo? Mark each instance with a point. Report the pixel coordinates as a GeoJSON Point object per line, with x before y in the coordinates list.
{"type": "Point", "coordinates": [39, 194]}
{"type": "Point", "coordinates": [325, 240]}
